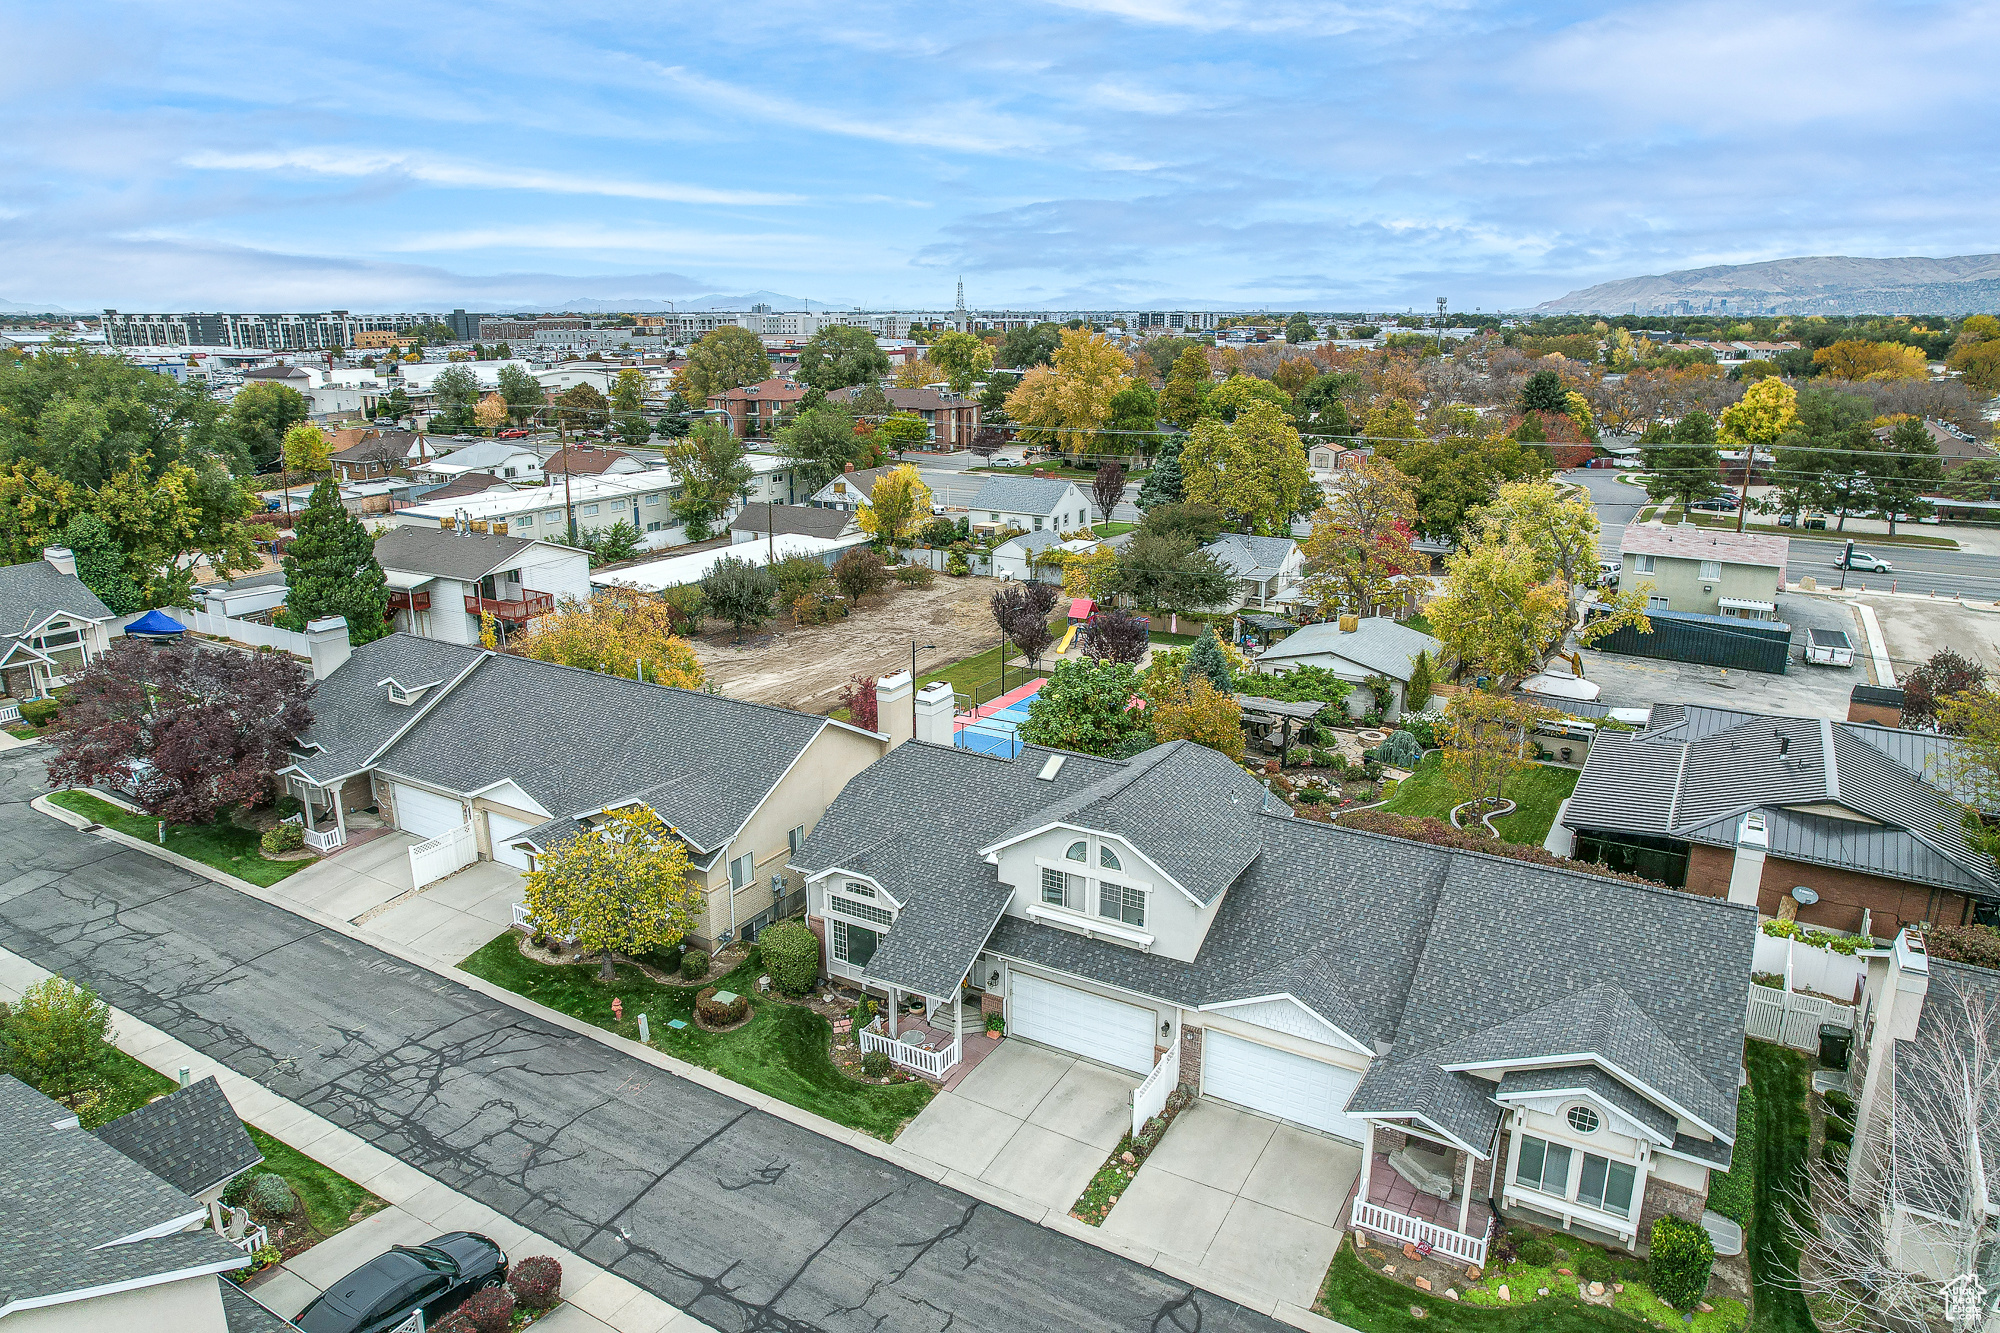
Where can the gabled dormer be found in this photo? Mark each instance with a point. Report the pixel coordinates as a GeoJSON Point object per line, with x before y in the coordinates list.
{"type": "Point", "coordinates": [408, 696]}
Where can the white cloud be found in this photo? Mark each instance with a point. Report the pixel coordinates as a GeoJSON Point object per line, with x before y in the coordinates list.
{"type": "Point", "coordinates": [355, 162]}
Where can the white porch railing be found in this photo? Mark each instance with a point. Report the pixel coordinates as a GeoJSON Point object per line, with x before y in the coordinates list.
{"type": "Point", "coordinates": [1791, 1018]}
{"type": "Point", "coordinates": [10, 712]}
{"type": "Point", "coordinates": [1457, 1245]}
{"type": "Point", "coordinates": [443, 855]}
{"type": "Point", "coordinates": [234, 1225]}
{"type": "Point", "coordinates": [1150, 1097]}
{"type": "Point", "coordinates": [324, 840]}
{"type": "Point", "coordinates": [921, 1059]}
{"type": "Point", "coordinates": [522, 921]}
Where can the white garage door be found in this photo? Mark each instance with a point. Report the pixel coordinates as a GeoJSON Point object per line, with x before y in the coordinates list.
{"type": "Point", "coordinates": [501, 830]}
{"type": "Point", "coordinates": [1072, 1020]}
{"type": "Point", "coordinates": [1279, 1083]}
{"type": "Point", "coordinates": [424, 813]}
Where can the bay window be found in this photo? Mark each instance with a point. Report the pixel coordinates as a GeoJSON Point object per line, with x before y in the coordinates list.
{"type": "Point", "coordinates": [1606, 1185]}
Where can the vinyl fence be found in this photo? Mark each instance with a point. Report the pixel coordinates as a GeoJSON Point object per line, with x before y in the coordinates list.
{"type": "Point", "coordinates": [1808, 968]}
{"type": "Point", "coordinates": [1150, 1097]}
{"type": "Point", "coordinates": [446, 854]}
{"type": "Point", "coordinates": [1791, 1018]}
{"type": "Point", "coordinates": [243, 631]}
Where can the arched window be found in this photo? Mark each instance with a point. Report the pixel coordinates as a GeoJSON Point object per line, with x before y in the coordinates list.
{"type": "Point", "coordinates": [1078, 852]}
{"type": "Point", "coordinates": [1108, 859]}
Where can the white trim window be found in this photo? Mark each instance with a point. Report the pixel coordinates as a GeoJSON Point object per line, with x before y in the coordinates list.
{"type": "Point", "coordinates": [742, 870]}
{"type": "Point", "coordinates": [1711, 570]}
{"type": "Point", "coordinates": [1642, 564]}
{"type": "Point", "coordinates": [1543, 1166]}
{"type": "Point", "coordinates": [853, 945]}
{"type": "Point", "coordinates": [796, 839]}
{"type": "Point", "coordinates": [1115, 898]}
{"type": "Point", "coordinates": [1602, 1183]}
{"type": "Point", "coordinates": [848, 898]}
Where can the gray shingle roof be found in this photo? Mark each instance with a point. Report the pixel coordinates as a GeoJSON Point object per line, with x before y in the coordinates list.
{"type": "Point", "coordinates": [190, 1138]}
{"type": "Point", "coordinates": [31, 593]}
{"type": "Point", "coordinates": [1020, 495]}
{"type": "Point", "coordinates": [1590, 1079]}
{"type": "Point", "coordinates": [1378, 644]}
{"type": "Point", "coordinates": [451, 555]}
{"type": "Point", "coordinates": [70, 1196]}
{"type": "Point", "coordinates": [244, 1314]}
{"type": "Point", "coordinates": [791, 520]}
{"type": "Point", "coordinates": [1252, 557]}
{"type": "Point", "coordinates": [352, 715]}
{"type": "Point", "coordinates": [1698, 770]}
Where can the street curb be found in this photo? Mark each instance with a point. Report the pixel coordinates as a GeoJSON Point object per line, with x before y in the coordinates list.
{"type": "Point", "coordinates": [1051, 1219]}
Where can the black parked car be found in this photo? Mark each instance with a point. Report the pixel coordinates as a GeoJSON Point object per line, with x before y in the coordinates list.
{"type": "Point", "coordinates": [380, 1294]}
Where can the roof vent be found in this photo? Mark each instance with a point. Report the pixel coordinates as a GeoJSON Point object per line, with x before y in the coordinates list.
{"type": "Point", "coordinates": [1784, 743]}
{"type": "Point", "coordinates": [1051, 768]}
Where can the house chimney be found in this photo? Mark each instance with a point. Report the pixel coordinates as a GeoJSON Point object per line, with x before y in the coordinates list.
{"type": "Point", "coordinates": [894, 704]}
{"type": "Point", "coordinates": [61, 557]}
{"type": "Point", "coordinates": [1892, 1000]}
{"type": "Point", "coordinates": [935, 706]}
{"type": "Point", "coordinates": [330, 648]}
{"type": "Point", "coordinates": [1746, 873]}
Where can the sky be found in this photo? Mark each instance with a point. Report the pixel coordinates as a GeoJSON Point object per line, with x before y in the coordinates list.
{"type": "Point", "coordinates": [1340, 154]}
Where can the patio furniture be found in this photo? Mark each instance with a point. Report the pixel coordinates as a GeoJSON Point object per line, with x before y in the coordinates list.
{"type": "Point", "coordinates": [1429, 1172]}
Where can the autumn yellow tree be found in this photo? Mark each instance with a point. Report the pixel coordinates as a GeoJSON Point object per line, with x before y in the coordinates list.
{"type": "Point", "coordinates": [1499, 612]}
{"type": "Point", "coordinates": [1092, 573]}
{"type": "Point", "coordinates": [896, 506]}
{"type": "Point", "coordinates": [1192, 709]}
{"type": "Point", "coordinates": [1253, 469]}
{"type": "Point", "coordinates": [919, 372]}
{"type": "Point", "coordinates": [1067, 403]}
{"type": "Point", "coordinates": [1855, 359]}
{"type": "Point", "coordinates": [1358, 553]}
{"type": "Point", "coordinates": [619, 888]}
{"type": "Point", "coordinates": [620, 632]}
{"type": "Point", "coordinates": [490, 412]}
{"type": "Point", "coordinates": [1765, 412]}
{"type": "Point", "coordinates": [307, 450]}
{"type": "Point", "coordinates": [1485, 742]}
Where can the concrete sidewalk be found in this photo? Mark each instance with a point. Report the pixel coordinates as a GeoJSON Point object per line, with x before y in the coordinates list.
{"type": "Point", "coordinates": [594, 1301]}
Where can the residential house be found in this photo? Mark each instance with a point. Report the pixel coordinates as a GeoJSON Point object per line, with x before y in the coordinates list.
{"type": "Point", "coordinates": [952, 417]}
{"type": "Point", "coordinates": [1021, 556]}
{"type": "Point", "coordinates": [1939, 1204]}
{"type": "Point", "coordinates": [51, 625]}
{"type": "Point", "coordinates": [1466, 1018]}
{"type": "Point", "coordinates": [582, 460]}
{"type": "Point", "coordinates": [106, 1231]}
{"type": "Point", "coordinates": [1705, 572]}
{"type": "Point", "coordinates": [507, 459]}
{"type": "Point", "coordinates": [583, 504]}
{"type": "Point", "coordinates": [468, 483]}
{"type": "Point", "coordinates": [754, 409]}
{"type": "Point", "coordinates": [1954, 446]}
{"type": "Point", "coordinates": [440, 735]}
{"type": "Point", "coordinates": [1268, 570]}
{"type": "Point", "coordinates": [850, 490]}
{"type": "Point", "coordinates": [1848, 826]}
{"type": "Point", "coordinates": [759, 520]}
{"type": "Point", "coordinates": [1357, 648]}
{"type": "Point", "coordinates": [245, 596]}
{"type": "Point", "coordinates": [442, 581]}
{"type": "Point", "coordinates": [381, 453]}
{"type": "Point", "coordinates": [1029, 504]}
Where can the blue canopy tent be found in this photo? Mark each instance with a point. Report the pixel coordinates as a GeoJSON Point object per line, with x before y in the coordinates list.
{"type": "Point", "coordinates": [156, 624]}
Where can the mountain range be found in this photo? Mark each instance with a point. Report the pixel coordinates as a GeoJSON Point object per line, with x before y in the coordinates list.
{"type": "Point", "coordinates": [1814, 285]}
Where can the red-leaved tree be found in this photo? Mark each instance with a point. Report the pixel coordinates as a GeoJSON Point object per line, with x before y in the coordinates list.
{"type": "Point", "coordinates": [1114, 636]}
{"type": "Point", "coordinates": [188, 729]}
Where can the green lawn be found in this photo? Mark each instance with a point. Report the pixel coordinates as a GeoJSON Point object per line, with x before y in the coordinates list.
{"type": "Point", "coordinates": [1782, 1080]}
{"type": "Point", "coordinates": [21, 732]}
{"type": "Point", "coordinates": [131, 1082]}
{"type": "Point", "coordinates": [1355, 1295]}
{"type": "Point", "coordinates": [224, 846]}
{"type": "Point", "coordinates": [782, 1051]}
{"type": "Point", "coordinates": [1418, 623]}
{"type": "Point", "coordinates": [1112, 529]}
{"type": "Point", "coordinates": [1537, 793]}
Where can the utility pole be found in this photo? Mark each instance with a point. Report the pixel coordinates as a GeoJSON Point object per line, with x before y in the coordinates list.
{"type": "Point", "coordinates": [1743, 489]}
{"type": "Point", "coordinates": [929, 647]}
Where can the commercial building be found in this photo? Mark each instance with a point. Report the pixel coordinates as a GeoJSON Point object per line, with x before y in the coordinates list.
{"type": "Point", "coordinates": [278, 333]}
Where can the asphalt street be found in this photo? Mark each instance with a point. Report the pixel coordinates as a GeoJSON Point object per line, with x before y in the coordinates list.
{"type": "Point", "coordinates": [1913, 568]}
{"type": "Point", "coordinates": [743, 1219]}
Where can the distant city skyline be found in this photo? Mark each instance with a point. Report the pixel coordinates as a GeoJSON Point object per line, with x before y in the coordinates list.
{"type": "Point", "coordinates": [1092, 154]}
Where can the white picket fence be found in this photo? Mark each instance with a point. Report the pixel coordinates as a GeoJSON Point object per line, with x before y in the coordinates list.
{"type": "Point", "coordinates": [10, 712]}
{"type": "Point", "coordinates": [243, 631]}
{"type": "Point", "coordinates": [1806, 967]}
{"type": "Point", "coordinates": [1442, 1239]}
{"type": "Point", "coordinates": [1150, 1097]}
{"type": "Point", "coordinates": [932, 1064]}
{"type": "Point", "coordinates": [446, 854]}
{"type": "Point", "coordinates": [1791, 1018]}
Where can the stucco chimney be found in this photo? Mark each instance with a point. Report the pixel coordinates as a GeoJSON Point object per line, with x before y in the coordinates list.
{"type": "Point", "coordinates": [1746, 874]}
{"type": "Point", "coordinates": [894, 704]}
{"type": "Point", "coordinates": [61, 557]}
{"type": "Point", "coordinates": [935, 706]}
{"type": "Point", "coordinates": [1892, 1002]}
{"type": "Point", "coordinates": [329, 645]}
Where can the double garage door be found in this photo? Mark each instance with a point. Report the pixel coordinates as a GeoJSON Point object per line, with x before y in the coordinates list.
{"type": "Point", "coordinates": [425, 813]}
{"type": "Point", "coordinates": [1279, 1083]}
{"type": "Point", "coordinates": [1105, 1030]}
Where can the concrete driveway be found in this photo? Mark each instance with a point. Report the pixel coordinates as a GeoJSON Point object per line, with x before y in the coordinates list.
{"type": "Point", "coordinates": [369, 885]}
{"type": "Point", "coordinates": [1032, 1121]}
{"type": "Point", "coordinates": [1243, 1198]}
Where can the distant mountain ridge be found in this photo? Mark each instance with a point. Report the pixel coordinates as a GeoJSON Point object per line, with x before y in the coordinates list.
{"type": "Point", "coordinates": [778, 301]}
{"type": "Point", "coordinates": [16, 308]}
{"type": "Point", "coordinates": [1813, 285]}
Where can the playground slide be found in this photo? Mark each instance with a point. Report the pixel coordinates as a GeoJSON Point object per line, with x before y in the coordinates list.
{"type": "Point", "coordinates": [1067, 638]}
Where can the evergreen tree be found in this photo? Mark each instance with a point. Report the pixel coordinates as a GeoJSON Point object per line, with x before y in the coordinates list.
{"type": "Point", "coordinates": [1544, 392]}
{"type": "Point", "coordinates": [1206, 659]}
{"type": "Point", "coordinates": [100, 563]}
{"type": "Point", "coordinates": [1417, 693]}
{"type": "Point", "coordinates": [1163, 484]}
{"type": "Point", "coordinates": [331, 570]}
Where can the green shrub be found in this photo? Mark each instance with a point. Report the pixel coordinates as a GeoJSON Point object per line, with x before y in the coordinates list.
{"type": "Point", "coordinates": [1682, 1257]}
{"type": "Point", "coordinates": [1402, 750]}
{"type": "Point", "coordinates": [1839, 1102]}
{"type": "Point", "coordinates": [1838, 1130]}
{"type": "Point", "coordinates": [1978, 946]}
{"type": "Point", "coordinates": [1539, 1251]}
{"type": "Point", "coordinates": [1835, 1154]}
{"type": "Point", "coordinates": [282, 838]}
{"type": "Point", "coordinates": [271, 1194]}
{"type": "Point", "coordinates": [490, 1309]}
{"type": "Point", "coordinates": [40, 712]}
{"type": "Point", "coordinates": [718, 1014]}
{"type": "Point", "coordinates": [957, 565]}
{"type": "Point", "coordinates": [666, 960]}
{"type": "Point", "coordinates": [1730, 1193]}
{"type": "Point", "coordinates": [694, 965]}
{"type": "Point", "coordinates": [915, 576]}
{"type": "Point", "coordinates": [791, 956]}
{"type": "Point", "coordinates": [1310, 796]}
{"type": "Point", "coordinates": [875, 1064]}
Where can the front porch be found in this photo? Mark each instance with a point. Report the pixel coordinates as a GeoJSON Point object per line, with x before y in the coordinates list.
{"type": "Point", "coordinates": [942, 1044]}
{"type": "Point", "coordinates": [1422, 1194]}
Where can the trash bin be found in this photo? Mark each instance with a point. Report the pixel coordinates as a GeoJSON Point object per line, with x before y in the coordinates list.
{"type": "Point", "coordinates": [1833, 1043]}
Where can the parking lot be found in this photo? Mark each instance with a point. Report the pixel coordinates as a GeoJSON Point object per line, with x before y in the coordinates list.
{"type": "Point", "coordinates": [1803, 691]}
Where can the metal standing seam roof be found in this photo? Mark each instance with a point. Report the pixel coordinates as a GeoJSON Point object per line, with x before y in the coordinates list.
{"type": "Point", "coordinates": [190, 1138]}
{"type": "Point", "coordinates": [1021, 495]}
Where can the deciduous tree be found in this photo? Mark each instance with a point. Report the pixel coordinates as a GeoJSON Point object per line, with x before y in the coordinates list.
{"type": "Point", "coordinates": [859, 573]}
{"type": "Point", "coordinates": [1358, 552]}
{"type": "Point", "coordinates": [188, 728]}
{"type": "Point", "coordinates": [725, 359]}
{"type": "Point", "coordinates": [1086, 705]}
{"type": "Point", "coordinates": [1930, 686]}
{"type": "Point", "coordinates": [1067, 403]}
{"type": "Point", "coordinates": [54, 1039]}
{"type": "Point", "coordinates": [1195, 710]}
{"type": "Point", "coordinates": [839, 356]}
{"type": "Point", "coordinates": [491, 413]}
{"type": "Point", "coordinates": [1497, 614]}
{"type": "Point", "coordinates": [1034, 345]}
{"type": "Point", "coordinates": [1092, 573]}
{"type": "Point", "coordinates": [1112, 635]}
{"type": "Point", "coordinates": [1485, 742]}
{"type": "Point", "coordinates": [620, 888]}
{"type": "Point", "coordinates": [522, 392]}
{"type": "Point", "coordinates": [1108, 487]}
{"type": "Point", "coordinates": [1021, 610]}
{"type": "Point", "coordinates": [1188, 386]}
{"type": "Point", "coordinates": [1254, 469]}
{"type": "Point", "coordinates": [619, 632]}
{"type": "Point", "coordinates": [712, 468]}
{"type": "Point", "coordinates": [901, 430]}
{"type": "Point", "coordinates": [101, 564]}
{"type": "Point", "coordinates": [1558, 526]}
{"type": "Point", "coordinates": [456, 392]}
{"type": "Point", "coordinates": [1197, 523]}
{"type": "Point", "coordinates": [331, 570]}
{"type": "Point", "coordinates": [897, 504]}
{"type": "Point", "coordinates": [628, 401]}
{"type": "Point", "coordinates": [306, 450]}
{"type": "Point", "coordinates": [1171, 574]}
{"type": "Point", "coordinates": [1228, 399]}
{"type": "Point", "coordinates": [1854, 359]}
{"type": "Point", "coordinates": [582, 407]}
{"type": "Point", "coordinates": [740, 592]}
{"type": "Point", "coordinates": [820, 444]}
{"type": "Point", "coordinates": [962, 357]}
{"type": "Point", "coordinates": [260, 414]}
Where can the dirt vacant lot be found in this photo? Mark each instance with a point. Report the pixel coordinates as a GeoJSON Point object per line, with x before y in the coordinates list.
{"type": "Point", "coordinates": [807, 668]}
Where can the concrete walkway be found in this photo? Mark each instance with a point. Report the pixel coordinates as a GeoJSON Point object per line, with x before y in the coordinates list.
{"type": "Point", "coordinates": [420, 1207]}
